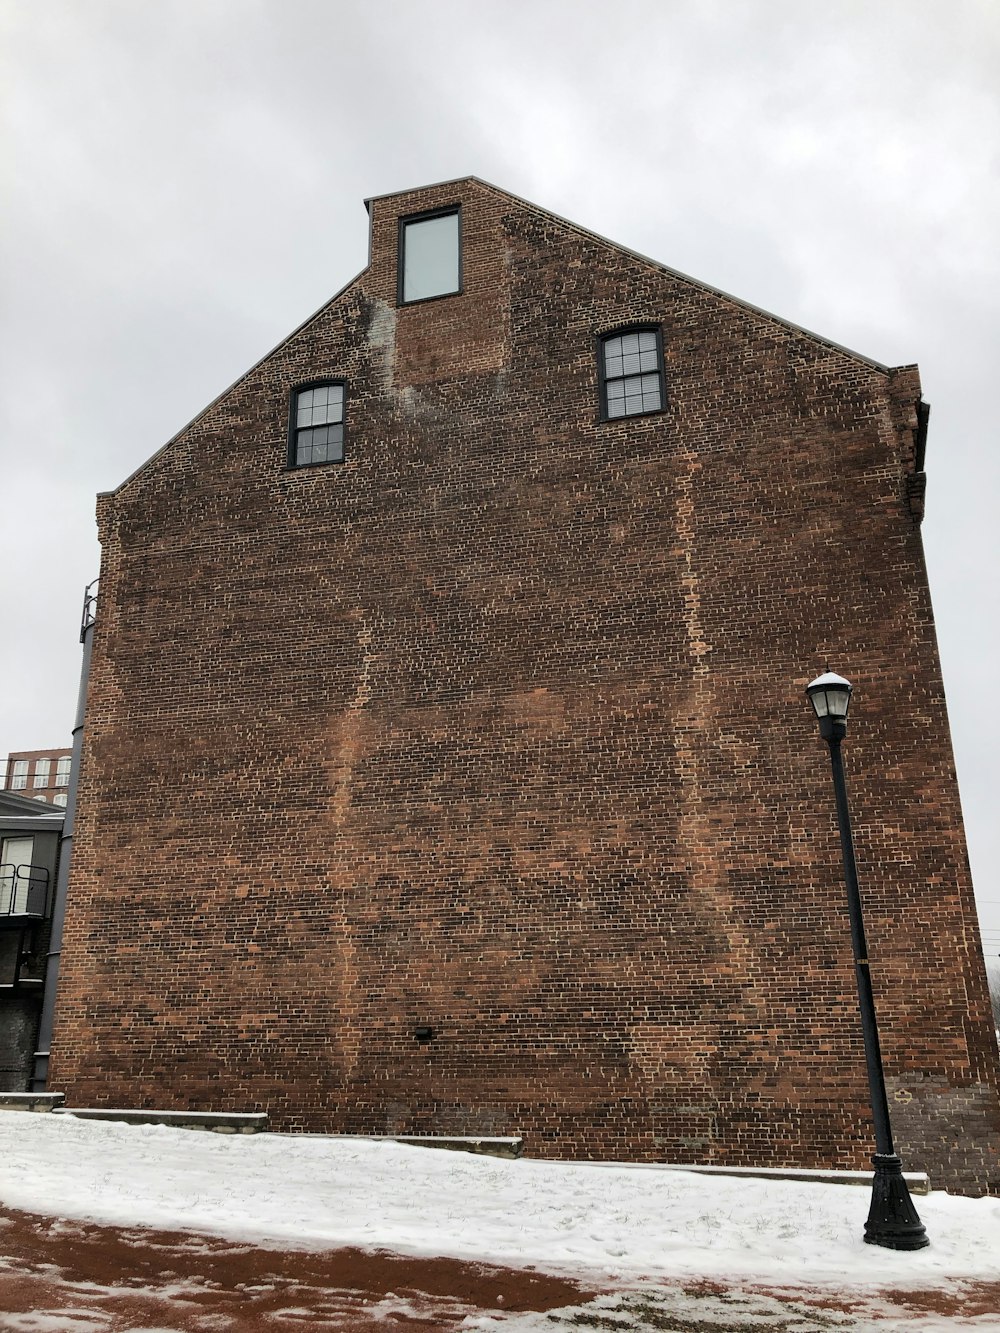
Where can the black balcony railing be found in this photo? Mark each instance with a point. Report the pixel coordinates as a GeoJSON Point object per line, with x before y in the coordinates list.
{"type": "Point", "coordinates": [24, 891]}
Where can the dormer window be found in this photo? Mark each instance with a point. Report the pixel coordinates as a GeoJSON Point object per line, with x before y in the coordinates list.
{"type": "Point", "coordinates": [430, 256]}
{"type": "Point", "coordinates": [631, 373]}
{"type": "Point", "coordinates": [316, 431]}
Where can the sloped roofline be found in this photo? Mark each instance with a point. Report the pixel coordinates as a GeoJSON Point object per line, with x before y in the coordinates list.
{"type": "Point", "coordinates": [554, 217]}
{"type": "Point", "coordinates": [239, 380]}
{"type": "Point", "coordinates": [645, 259]}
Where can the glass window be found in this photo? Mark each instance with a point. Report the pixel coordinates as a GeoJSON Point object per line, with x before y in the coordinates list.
{"type": "Point", "coordinates": [19, 775]}
{"type": "Point", "coordinates": [429, 258]}
{"type": "Point", "coordinates": [631, 367]}
{"type": "Point", "coordinates": [62, 771]}
{"type": "Point", "coordinates": [15, 869]}
{"type": "Point", "coordinates": [60, 798]}
{"type": "Point", "coordinates": [42, 769]}
{"type": "Point", "coordinates": [317, 430]}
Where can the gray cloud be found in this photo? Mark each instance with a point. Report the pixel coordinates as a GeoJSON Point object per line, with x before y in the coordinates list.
{"type": "Point", "coordinates": [185, 180]}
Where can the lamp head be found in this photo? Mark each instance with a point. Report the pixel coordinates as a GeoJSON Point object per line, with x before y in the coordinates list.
{"type": "Point", "coordinates": [830, 696]}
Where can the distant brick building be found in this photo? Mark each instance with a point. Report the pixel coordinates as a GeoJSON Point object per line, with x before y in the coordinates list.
{"type": "Point", "coordinates": [448, 675]}
{"type": "Point", "coordinates": [41, 775]}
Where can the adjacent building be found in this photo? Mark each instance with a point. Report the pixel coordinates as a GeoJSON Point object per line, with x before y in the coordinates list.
{"type": "Point", "coordinates": [30, 837]}
{"type": "Point", "coordinates": [447, 767]}
{"type": "Point", "coordinates": [42, 775]}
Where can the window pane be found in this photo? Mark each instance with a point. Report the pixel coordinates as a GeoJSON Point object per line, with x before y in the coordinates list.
{"type": "Point", "coordinates": [314, 406]}
{"type": "Point", "coordinates": [613, 365]}
{"type": "Point", "coordinates": [323, 444]}
{"type": "Point", "coordinates": [616, 389]}
{"type": "Point", "coordinates": [647, 360]}
{"type": "Point", "coordinates": [647, 341]}
{"type": "Point", "coordinates": [334, 407]}
{"type": "Point", "coordinates": [616, 407]}
{"type": "Point", "coordinates": [630, 342]}
{"type": "Point", "coordinates": [641, 393]}
{"type": "Point", "coordinates": [430, 257]}
{"type": "Point", "coordinates": [42, 767]}
{"type": "Point", "coordinates": [630, 363]}
{"type": "Point", "coordinates": [651, 390]}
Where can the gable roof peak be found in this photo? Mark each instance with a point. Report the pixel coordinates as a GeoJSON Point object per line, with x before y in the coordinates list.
{"type": "Point", "coordinates": [636, 254]}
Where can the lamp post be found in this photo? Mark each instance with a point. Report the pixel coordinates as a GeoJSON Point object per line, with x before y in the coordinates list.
{"type": "Point", "coordinates": [892, 1218]}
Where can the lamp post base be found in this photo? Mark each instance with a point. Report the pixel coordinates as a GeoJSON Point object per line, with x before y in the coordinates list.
{"type": "Point", "coordinates": [892, 1218]}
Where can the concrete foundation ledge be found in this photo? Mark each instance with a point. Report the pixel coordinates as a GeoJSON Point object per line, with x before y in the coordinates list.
{"type": "Point", "coordinates": [31, 1101]}
{"type": "Point", "coordinates": [459, 1143]}
{"type": "Point", "coordinates": [918, 1182]}
{"type": "Point", "coordinates": [219, 1122]}
{"type": "Point", "coordinates": [486, 1147]}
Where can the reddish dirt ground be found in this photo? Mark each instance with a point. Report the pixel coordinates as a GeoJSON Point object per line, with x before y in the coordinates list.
{"type": "Point", "coordinates": [965, 1300]}
{"type": "Point", "coordinates": [72, 1277]}
{"type": "Point", "coordinates": [105, 1280]}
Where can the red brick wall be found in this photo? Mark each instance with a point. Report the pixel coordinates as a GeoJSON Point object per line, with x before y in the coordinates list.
{"type": "Point", "coordinates": [499, 727]}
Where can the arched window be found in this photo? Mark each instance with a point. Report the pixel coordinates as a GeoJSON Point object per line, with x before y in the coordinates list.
{"type": "Point", "coordinates": [631, 373]}
{"type": "Point", "coordinates": [316, 427]}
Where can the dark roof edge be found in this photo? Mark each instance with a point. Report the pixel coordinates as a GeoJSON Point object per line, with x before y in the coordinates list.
{"type": "Point", "coordinates": [682, 277]}
{"type": "Point", "coordinates": [439, 185]}
{"type": "Point", "coordinates": [31, 807]}
{"type": "Point", "coordinates": [239, 380]}
{"type": "Point", "coordinates": [20, 823]}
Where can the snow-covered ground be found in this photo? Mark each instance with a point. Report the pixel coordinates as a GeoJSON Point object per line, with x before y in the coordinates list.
{"type": "Point", "coordinates": [318, 1193]}
{"type": "Point", "coordinates": [614, 1224]}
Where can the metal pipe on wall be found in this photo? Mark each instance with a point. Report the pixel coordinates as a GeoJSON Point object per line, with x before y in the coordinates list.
{"type": "Point", "coordinates": [40, 1070]}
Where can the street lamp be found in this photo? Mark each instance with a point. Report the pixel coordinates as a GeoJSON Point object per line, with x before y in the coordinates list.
{"type": "Point", "coordinates": [892, 1218]}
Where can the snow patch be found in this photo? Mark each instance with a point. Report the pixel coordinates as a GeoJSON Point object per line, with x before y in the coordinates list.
{"type": "Point", "coordinates": [570, 1217]}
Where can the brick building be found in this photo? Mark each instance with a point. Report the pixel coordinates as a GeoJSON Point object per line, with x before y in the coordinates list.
{"type": "Point", "coordinates": [447, 766]}
{"type": "Point", "coordinates": [42, 775]}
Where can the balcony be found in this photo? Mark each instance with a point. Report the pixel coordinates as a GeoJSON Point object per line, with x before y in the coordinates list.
{"type": "Point", "coordinates": [24, 895]}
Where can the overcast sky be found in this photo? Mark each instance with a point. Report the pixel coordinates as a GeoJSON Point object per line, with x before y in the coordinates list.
{"type": "Point", "coordinates": [183, 184]}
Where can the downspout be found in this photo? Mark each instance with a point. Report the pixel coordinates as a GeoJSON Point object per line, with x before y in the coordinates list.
{"type": "Point", "coordinates": [40, 1074]}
